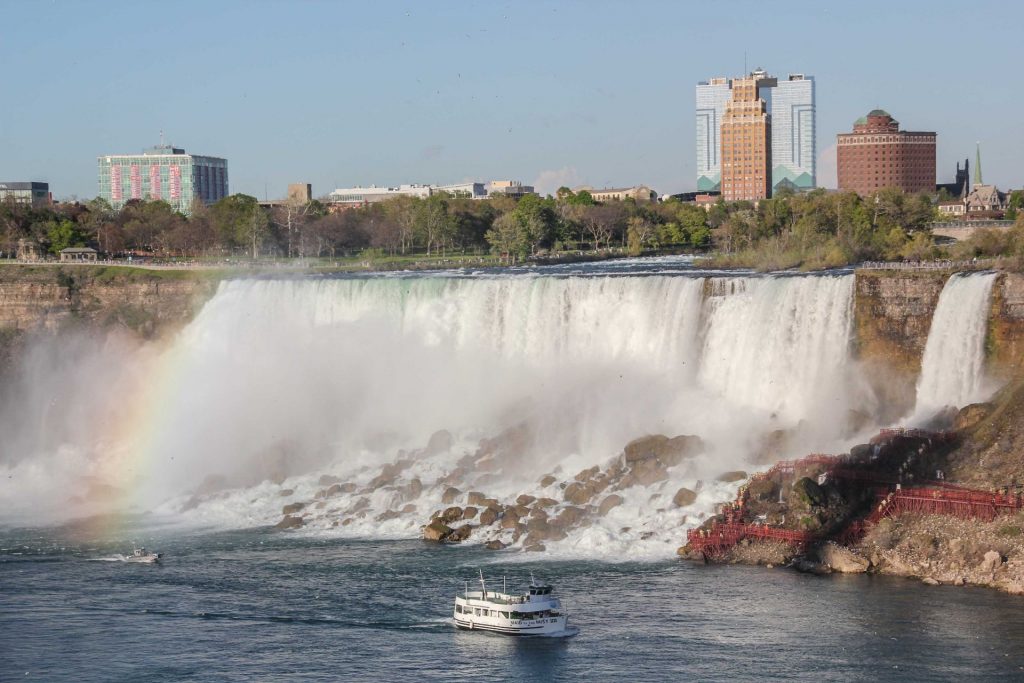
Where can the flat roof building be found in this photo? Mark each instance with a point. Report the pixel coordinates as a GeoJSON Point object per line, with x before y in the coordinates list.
{"type": "Point", "coordinates": [35, 193]}
{"type": "Point", "coordinates": [640, 193]}
{"type": "Point", "coordinates": [877, 154]}
{"type": "Point", "coordinates": [163, 173]}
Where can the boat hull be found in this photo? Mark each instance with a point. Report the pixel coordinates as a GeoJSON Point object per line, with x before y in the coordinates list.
{"type": "Point", "coordinates": [554, 627]}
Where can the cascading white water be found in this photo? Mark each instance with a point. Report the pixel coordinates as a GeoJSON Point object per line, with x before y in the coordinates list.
{"type": "Point", "coordinates": [281, 377]}
{"type": "Point", "coordinates": [952, 369]}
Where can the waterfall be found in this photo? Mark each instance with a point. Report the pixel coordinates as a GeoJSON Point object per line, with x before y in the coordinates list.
{"type": "Point", "coordinates": [277, 378]}
{"type": "Point", "coordinates": [952, 369]}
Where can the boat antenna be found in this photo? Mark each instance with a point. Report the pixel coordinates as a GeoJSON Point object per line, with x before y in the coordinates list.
{"type": "Point", "coordinates": [483, 586]}
{"type": "Point", "coordinates": [504, 585]}
{"type": "Point", "coordinates": [533, 581]}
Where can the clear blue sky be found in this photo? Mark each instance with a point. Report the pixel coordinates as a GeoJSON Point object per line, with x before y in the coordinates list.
{"type": "Point", "coordinates": [601, 93]}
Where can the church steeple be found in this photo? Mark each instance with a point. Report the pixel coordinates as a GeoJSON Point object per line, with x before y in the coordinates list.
{"type": "Point", "coordinates": [977, 165]}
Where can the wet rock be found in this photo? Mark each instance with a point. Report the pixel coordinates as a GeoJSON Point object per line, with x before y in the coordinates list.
{"type": "Point", "coordinates": [327, 480]}
{"type": "Point", "coordinates": [408, 508]}
{"type": "Point", "coordinates": [729, 477]}
{"type": "Point", "coordinates": [290, 522]}
{"type": "Point", "coordinates": [569, 517]}
{"type": "Point", "coordinates": [647, 472]}
{"type": "Point", "coordinates": [387, 514]}
{"type": "Point", "coordinates": [451, 514]}
{"type": "Point", "coordinates": [440, 441]}
{"type": "Point", "coordinates": [495, 545]}
{"type": "Point", "coordinates": [669, 452]}
{"type": "Point", "coordinates": [450, 495]}
{"type": "Point", "coordinates": [611, 501]}
{"type": "Point", "coordinates": [469, 512]}
{"type": "Point", "coordinates": [842, 560]}
{"type": "Point", "coordinates": [684, 497]}
{"type": "Point", "coordinates": [970, 416]}
{"type": "Point", "coordinates": [763, 489]}
{"type": "Point", "coordinates": [645, 535]}
{"type": "Point", "coordinates": [321, 505]}
{"type": "Point", "coordinates": [292, 508]}
{"type": "Point", "coordinates": [475, 498]}
{"type": "Point", "coordinates": [413, 489]}
{"type": "Point", "coordinates": [459, 535]}
{"type": "Point", "coordinates": [359, 505]}
{"type": "Point", "coordinates": [347, 521]}
{"type": "Point", "coordinates": [545, 503]}
{"type": "Point", "coordinates": [587, 474]}
{"type": "Point", "coordinates": [436, 531]}
{"type": "Point", "coordinates": [488, 516]}
{"type": "Point", "coordinates": [547, 480]}
{"type": "Point", "coordinates": [510, 520]}
{"type": "Point", "coordinates": [338, 489]}
{"type": "Point", "coordinates": [286, 492]}
{"type": "Point", "coordinates": [576, 493]}
{"type": "Point", "coordinates": [807, 493]}
{"type": "Point", "coordinates": [929, 581]}
{"type": "Point", "coordinates": [491, 503]}
{"type": "Point", "coordinates": [862, 452]}
{"type": "Point", "coordinates": [538, 525]}
{"type": "Point", "coordinates": [525, 499]}
{"type": "Point", "coordinates": [535, 548]}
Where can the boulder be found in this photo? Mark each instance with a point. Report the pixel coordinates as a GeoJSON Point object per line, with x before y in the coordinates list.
{"type": "Point", "coordinates": [612, 501]}
{"type": "Point", "coordinates": [360, 504]}
{"type": "Point", "coordinates": [535, 548]}
{"type": "Point", "coordinates": [488, 516]}
{"type": "Point", "coordinates": [669, 452]}
{"type": "Point", "coordinates": [475, 498]}
{"type": "Point", "coordinates": [576, 493]}
{"type": "Point", "coordinates": [991, 562]}
{"type": "Point", "coordinates": [569, 517]}
{"type": "Point", "coordinates": [510, 520]}
{"type": "Point", "coordinates": [734, 475]}
{"type": "Point", "coordinates": [537, 525]}
{"type": "Point", "coordinates": [763, 489]}
{"type": "Point", "coordinates": [588, 473]}
{"type": "Point", "coordinates": [469, 512]}
{"type": "Point", "coordinates": [451, 514]}
{"type": "Point", "coordinates": [286, 492]}
{"type": "Point", "coordinates": [547, 480]}
{"type": "Point", "coordinates": [684, 497]}
{"type": "Point", "coordinates": [408, 508]}
{"type": "Point", "coordinates": [495, 545]}
{"type": "Point", "coordinates": [290, 522]}
{"type": "Point", "coordinates": [450, 495]}
{"type": "Point", "coordinates": [525, 499]}
{"type": "Point", "coordinates": [413, 489]}
{"type": "Point", "coordinates": [459, 535]}
{"type": "Point", "coordinates": [647, 472]}
{"type": "Point", "coordinates": [545, 503]}
{"type": "Point", "coordinates": [862, 452]}
{"type": "Point", "coordinates": [970, 416]}
{"type": "Point", "coordinates": [387, 514]}
{"type": "Point", "coordinates": [842, 560]}
{"type": "Point", "coordinates": [436, 531]}
{"type": "Point", "coordinates": [491, 503]}
{"type": "Point", "coordinates": [327, 480]}
{"type": "Point", "coordinates": [292, 508]}
{"type": "Point", "coordinates": [440, 441]}
{"type": "Point", "coordinates": [807, 492]}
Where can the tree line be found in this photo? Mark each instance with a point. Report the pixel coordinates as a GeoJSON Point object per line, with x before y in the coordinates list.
{"type": "Point", "coordinates": [816, 229]}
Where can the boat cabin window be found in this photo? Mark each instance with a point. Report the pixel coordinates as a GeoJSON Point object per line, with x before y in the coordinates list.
{"type": "Point", "coordinates": [540, 590]}
{"type": "Point", "coordinates": [458, 609]}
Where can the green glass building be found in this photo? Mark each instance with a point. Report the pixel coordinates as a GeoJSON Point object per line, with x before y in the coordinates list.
{"type": "Point", "coordinates": [163, 173]}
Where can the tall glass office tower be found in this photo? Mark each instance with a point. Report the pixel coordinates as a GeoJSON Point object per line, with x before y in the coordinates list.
{"type": "Point", "coordinates": [794, 148]}
{"type": "Point", "coordinates": [712, 96]}
{"type": "Point", "coordinates": [165, 173]}
{"type": "Point", "coordinates": [791, 109]}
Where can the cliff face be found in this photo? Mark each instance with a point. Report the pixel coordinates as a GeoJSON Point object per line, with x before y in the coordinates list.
{"type": "Point", "coordinates": [147, 303]}
{"type": "Point", "coordinates": [892, 314]}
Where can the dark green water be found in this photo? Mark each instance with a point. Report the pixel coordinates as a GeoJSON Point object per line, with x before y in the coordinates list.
{"type": "Point", "coordinates": [245, 606]}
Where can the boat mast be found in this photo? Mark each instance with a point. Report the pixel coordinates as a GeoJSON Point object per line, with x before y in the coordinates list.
{"type": "Point", "coordinates": [483, 586]}
{"type": "Point", "coordinates": [504, 586]}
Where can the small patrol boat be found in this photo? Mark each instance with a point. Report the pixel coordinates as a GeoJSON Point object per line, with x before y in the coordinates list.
{"type": "Point", "coordinates": [142, 556]}
{"type": "Point", "coordinates": [536, 613]}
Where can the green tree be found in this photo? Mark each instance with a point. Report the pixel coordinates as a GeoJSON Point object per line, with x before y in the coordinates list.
{"type": "Point", "coordinates": [63, 234]}
{"type": "Point", "coordinates": [508, 238]}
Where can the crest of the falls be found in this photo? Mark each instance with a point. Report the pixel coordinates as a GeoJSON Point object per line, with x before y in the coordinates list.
{"type": "Point", "coordinates": [952, 369]}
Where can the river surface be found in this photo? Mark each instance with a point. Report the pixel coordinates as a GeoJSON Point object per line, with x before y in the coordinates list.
{"type": "Point", "coordinates": [256, 605]}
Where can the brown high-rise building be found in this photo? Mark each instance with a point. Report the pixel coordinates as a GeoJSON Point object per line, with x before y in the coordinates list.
{"type": "Point", "coordinates": [878, 154]}
{"type": "Point", "coordinates": [746, 141]}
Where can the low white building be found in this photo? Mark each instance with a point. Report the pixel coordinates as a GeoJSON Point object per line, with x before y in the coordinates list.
{"type": "Point", "coordinates": [361, 196]}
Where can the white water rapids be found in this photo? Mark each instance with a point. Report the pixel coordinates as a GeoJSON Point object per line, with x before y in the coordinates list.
{"type": "Point", "coordinates": [283, 380]}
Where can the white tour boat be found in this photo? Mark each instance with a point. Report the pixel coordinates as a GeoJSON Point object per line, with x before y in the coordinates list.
{"type": "Point", "coordinates": [537, 613]}
{"type": "Point", "coordinates": [140, 555]}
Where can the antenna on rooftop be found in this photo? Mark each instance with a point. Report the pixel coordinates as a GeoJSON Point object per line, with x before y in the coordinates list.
{"type": "Point", "coordinates": [161, 137]}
